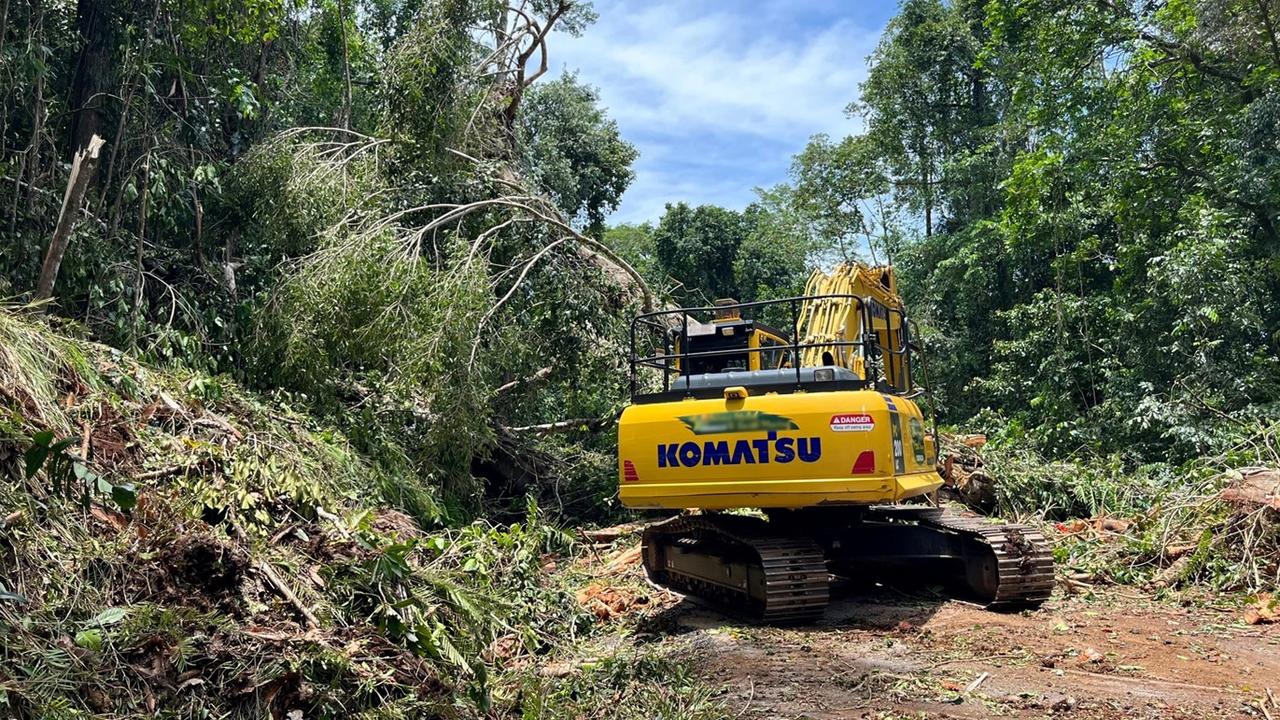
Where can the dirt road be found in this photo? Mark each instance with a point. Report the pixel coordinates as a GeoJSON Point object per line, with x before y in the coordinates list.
{"type": "Point", "coordinates": [882, 654]}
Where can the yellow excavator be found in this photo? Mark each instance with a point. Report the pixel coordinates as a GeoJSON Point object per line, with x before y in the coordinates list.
{"type": "Point", "coordinates": [814, 432]}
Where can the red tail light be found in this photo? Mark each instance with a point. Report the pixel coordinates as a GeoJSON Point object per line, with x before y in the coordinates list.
{"type": "Point", "coordinates": [629, 473]}
{"type": "Point", "coordinates": [865, 464]}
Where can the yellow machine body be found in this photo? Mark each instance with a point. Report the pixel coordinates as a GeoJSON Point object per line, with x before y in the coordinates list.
{"type": "Point", "coordinates": [837, 302]}
{"type": "Point", "coordinates": [748, 447]}
{"type": "Point", "coordinates": [775, 451]}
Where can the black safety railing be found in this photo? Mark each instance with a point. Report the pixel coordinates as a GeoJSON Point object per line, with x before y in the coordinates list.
{"type": "Point", "coordinates": [663, 328]}
{"type": "Point", "coordinates": [903, 351]}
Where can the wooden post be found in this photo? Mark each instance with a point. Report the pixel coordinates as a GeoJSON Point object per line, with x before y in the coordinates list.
{"type": "Point", "coordinates": [82, 168]}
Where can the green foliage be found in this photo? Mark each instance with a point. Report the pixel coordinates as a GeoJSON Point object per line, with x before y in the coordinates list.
{"type": "Point", "coordinates": [774, 259]}
{"type": "Point", "coordinates": [1094, 265]}
{"type": "Point", "coordinates": [636, 684]}
{"type": "Point", "coordinates": [925, 104]}
{"type": "Point", "coordinates": [450, 597]}
{"type": "Point", "coordinates": [70, 475]}
{"type": "Point", "coordinates": [229, 231]}
{"type": "Point", "coordinates": [635, 244]}
{"type": "Point", "coordinates": [710, 252]}
{"type": "Point", "coordinates": [697, 246]}
{"type": "Point", "coordinates": [1180, 529]}
{"type": "Point", "coordinates": [839, 193]}
{"type": "Point", "coordinates": [364, 318]}
{"type": "Point", "coordinates": [398, 292]}
{"type": "Point", "coordinates": [699, 255]}
{"type": "Point", "coordinates": [35, 365]}
{"type": "Point", "coordinates": [574, 151]}
{"type": "Point", "coordinates": [99, 615]}
{"type": "Point", "coordinates": [425, 101]}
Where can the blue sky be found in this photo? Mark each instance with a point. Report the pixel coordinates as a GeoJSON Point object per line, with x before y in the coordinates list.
{"type": "Point", "coordinates": [718, 95]}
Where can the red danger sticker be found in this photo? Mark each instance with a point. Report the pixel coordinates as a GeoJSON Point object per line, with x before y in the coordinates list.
{"type": "Point", "coordinates": [854, 422]}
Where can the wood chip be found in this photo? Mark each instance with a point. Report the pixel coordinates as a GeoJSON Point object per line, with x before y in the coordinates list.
{"type": "Point", "coordinates": [977, 681]}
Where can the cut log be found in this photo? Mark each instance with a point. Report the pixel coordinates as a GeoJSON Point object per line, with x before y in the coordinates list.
{"type": "Point", "coordinates": [609, 534]}
{"type": "Point", "coordinates": [626, 559]}
{"type": "Point", "coordinates": [1257, 488]}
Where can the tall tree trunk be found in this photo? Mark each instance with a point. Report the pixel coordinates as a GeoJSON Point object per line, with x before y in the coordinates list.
{"type": "Point", "coordinates": [93, 23]}
{"type": "Point", "coordinates": [4, 24]}
{"type": "Point", "coordinates": [39, 111]}
{"type": "Point", "coordinates": [197, 211]}
{"type": "Point", "coordinates": [926, 187]}
{"type": "Point", "coordinates": [30, 166]}
{"type": "Point", "coordinates": [123, 124]}
{"type": "Point", "coordinates": [345, 120]}
{"type": "Point", "coordinates": [1264, 10]}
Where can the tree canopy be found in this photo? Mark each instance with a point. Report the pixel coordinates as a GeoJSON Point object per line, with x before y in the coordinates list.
{"type": "Point", "coordinates": [372, 205]}
{"type": "Point", "coordinates": [1089, 197]}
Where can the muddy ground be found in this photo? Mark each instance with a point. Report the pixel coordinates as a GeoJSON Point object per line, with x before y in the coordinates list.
{"type": "Point", "coordinates": [880, 653]}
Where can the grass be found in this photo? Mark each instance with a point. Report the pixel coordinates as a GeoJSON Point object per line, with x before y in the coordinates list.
{"type": "Point", "coordinates": [630, 683]}
{"type": "Point", "coordinates": [35, 365]}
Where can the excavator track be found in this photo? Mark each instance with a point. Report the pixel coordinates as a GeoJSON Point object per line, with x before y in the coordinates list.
{"type": "Point", "coordinates": [1017, 573]}
{"type": "Point", "coordinates": [736, 562]}
{"type": "Point", "coordinates": [777, 572]}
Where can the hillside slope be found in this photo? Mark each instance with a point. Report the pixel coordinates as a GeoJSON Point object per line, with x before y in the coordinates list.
{"type": "Point", "coordinates": [172, 543]}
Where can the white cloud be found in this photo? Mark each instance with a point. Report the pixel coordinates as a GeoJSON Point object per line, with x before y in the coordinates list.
{"type": "Point", "coordinates": [716, 101]}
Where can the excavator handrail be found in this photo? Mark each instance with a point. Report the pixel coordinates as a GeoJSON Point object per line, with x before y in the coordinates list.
{"type": "Point", "coordinates": [738, 351]}
{"type": "Point", "coordinates": [665, 360]}
{"type": "Point", "coordinates": [751, 304]}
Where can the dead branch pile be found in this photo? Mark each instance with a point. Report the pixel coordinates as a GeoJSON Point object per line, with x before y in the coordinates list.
{"type": "Point", "coordinates": [1165, 527]}
{"type": "Point", "coordinates": [253, 573]}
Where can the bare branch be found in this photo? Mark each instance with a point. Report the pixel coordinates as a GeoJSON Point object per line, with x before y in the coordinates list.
{"type": "Point", "coordinates": [592, 425]}
{"type": "Point", "coordinates": [475, 345]}
{"type": "Point", "coordinates": [538, 376]}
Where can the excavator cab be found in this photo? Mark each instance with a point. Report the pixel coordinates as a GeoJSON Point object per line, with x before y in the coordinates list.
{"type": "Point", "coordinates": [702, 349]}
{"type": "Point", "coordinates": [729, 343]}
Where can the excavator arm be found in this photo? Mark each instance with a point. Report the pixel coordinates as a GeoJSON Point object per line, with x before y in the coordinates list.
{"type": "Point", "coordinates": [857, 303]}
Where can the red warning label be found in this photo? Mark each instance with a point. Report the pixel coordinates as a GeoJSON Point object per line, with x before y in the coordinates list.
{"type": "Point", "coordinates": [629, 471]}
{"type": "Point", "coordinates": [853, 422]}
